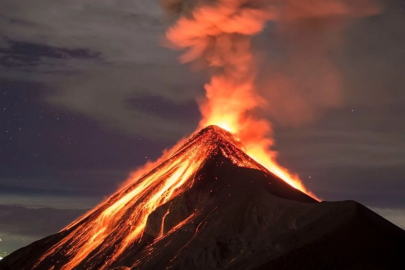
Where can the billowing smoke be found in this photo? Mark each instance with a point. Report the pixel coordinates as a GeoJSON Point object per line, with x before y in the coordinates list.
{"type": "Point", "coordinates": [300, 76]}
{"type": "Point", "coordinates": [297, 78]}
{"type": "Point", "coordinates": [291, 86]}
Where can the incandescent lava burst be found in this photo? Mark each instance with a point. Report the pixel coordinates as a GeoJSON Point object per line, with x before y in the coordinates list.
{"type": "Point", "coordinates": [218, 35]}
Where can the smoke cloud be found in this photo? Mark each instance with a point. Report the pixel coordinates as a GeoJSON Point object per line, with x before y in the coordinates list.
{"type": "Point", "coordinates": [219, 35]}
{"type": "Point", "coordinates": [294, 78]}
{"type": "Point", "coordinates": [301, 78]}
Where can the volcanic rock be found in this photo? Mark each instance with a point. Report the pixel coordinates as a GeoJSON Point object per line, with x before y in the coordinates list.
{"type": "Point", "coordinates": [234, 215]}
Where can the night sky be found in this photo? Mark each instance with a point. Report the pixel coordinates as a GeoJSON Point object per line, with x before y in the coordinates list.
{"type": "Point", "coordinates": [89, 93]}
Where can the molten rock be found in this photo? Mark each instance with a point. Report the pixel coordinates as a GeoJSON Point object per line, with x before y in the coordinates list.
{"type": "Point", "coordinates": [210, 206]}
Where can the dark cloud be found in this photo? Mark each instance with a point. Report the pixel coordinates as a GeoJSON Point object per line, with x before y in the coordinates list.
{"type": "Point", "coordinates": [22, 54]}
{"type": "Point", "coordinates": [105, 94]}
{"type": "Point", "coordinates": [19, 226]}
{"type": "Point", "coordinates": [95, 58]}
{"type": "Point", "coordinates": [34, 220]}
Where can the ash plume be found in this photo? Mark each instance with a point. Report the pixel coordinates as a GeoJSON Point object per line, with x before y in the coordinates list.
{"type": "Point", "coordinates": [217, 35]}
{"type": "Point", "coordinates": [292, 86]}
{"type": "Point", "coordinates": [300, 78]}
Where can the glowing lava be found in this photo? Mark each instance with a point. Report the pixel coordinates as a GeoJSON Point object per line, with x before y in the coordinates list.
{"type": "Point", "coordinates": [105, 233]}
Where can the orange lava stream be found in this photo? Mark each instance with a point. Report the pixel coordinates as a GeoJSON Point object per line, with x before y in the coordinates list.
{"type": "Point", "coordinates": [120, 220]}
{"type": "Point", "coordinates": [111, 228]}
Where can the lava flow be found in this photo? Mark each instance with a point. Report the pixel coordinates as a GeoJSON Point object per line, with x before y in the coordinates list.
{"type": "Point", "coordinates": [105, 233]}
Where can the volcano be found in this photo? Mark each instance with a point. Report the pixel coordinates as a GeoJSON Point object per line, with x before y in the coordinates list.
{"type": "Point", "coordinates": [211, 206]}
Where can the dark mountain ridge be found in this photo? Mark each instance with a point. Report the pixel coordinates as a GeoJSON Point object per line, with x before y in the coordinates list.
{"type": "Point", "coordinates": [234, 215]}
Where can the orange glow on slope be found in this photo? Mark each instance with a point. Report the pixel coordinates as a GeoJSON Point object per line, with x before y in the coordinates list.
{"type": "Point", "coordinates": [138, 201]}
{"type": "Point", "coordinates": [120, 220]}
{"type": "Point", "coordinates": [220, 34]}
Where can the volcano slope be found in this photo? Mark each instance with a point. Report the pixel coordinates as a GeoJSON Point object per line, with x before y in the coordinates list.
{"type": "Point", "coordinates": [228, 213]}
